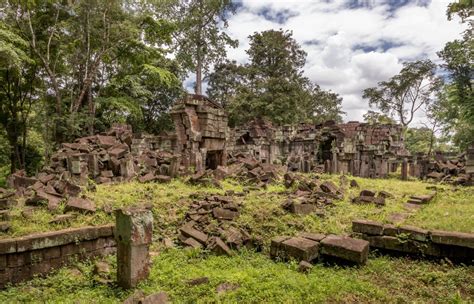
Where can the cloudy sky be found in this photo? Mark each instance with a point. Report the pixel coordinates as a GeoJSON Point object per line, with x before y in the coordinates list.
{"type": "Point", "coordinates": [353, 44]}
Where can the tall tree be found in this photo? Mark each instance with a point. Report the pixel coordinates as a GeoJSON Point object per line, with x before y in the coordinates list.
{"type": "Point", "coordinates": [200, 40]}
{"type": "Point", "coordinates": [18, 92]}
{"type": "Point", "coordinates": [457, 98]}
{"type": "Point", "coordinates": [272, 84]}
{"type": "Point", "coordinates": [405, 93]}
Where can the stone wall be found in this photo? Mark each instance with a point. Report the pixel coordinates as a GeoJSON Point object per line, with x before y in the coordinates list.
{"type": "Point", "coordinates": [357, 148]}
{"type": "Point", "coordinates": [201, 129]}
{"type": "Point", "coordinates": [409, 240]}
{"type": "Point", "coordinates": [24, 257]}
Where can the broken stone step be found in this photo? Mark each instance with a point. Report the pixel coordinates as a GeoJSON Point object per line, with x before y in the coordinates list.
{"type": "Point", "coordinates": [345, 248]}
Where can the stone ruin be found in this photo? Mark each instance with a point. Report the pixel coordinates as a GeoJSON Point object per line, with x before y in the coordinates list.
{"type": "Point", "coordinates": [257, 151]}
{"type": "Point", "coordinates": [353, 148]}
{"type": "Point", "coordinates": [201, 130]}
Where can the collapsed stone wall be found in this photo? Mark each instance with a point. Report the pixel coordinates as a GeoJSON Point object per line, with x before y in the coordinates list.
{"type": "Point", "coordinates": [357, 148]}
{"type": "Point", "coordinates": [25, 257]}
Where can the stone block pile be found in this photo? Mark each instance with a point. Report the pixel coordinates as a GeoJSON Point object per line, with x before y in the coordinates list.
{"type": "Point", "coordinates": [210, 223]}
{"type": "Point", "coordinates": [311, 247]}
{"type": "Point", "coordinates": [104, 158]}
{"type": "Point", "coordinates": [249, 169]}
{"type": "Point", "coordinates": [372, 197]}
{"type": "Point", "coordinates": [409, 240]}
{"type": "Point", "coordinates": [310, 195]}
{"type": "Point", "coordinates": [454, 170]}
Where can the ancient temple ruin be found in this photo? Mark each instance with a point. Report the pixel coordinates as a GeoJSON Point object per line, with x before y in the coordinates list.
{"type": "Point", "coordinates": [356, 148]}
{"type": "Point", "coordinates": [201, 130]}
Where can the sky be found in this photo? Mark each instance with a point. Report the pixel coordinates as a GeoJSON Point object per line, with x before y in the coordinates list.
{"type": "Point", "coordinates": [351, 45]}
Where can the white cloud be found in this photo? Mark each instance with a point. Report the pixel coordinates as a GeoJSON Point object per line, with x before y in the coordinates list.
{"type": "Point", "coordinates": [349, 49]}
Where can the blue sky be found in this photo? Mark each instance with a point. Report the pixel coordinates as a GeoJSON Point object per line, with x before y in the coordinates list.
{"type": "Point", "coordinates": [351, 45]}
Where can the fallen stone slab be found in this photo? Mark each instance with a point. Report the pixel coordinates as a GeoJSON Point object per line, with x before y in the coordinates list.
{"type": "Point", "coordinates": [80, 204]}
{"type": "Point", "coordinates": [217, 246]}
{"type": "Point", "coordinates": [62, 219]}
{"type": "Point", "coordinates": [224, 214]}
{"type": "Point", "coordinates": [190, 232]}
{"type": "Point", "coordinates": [192, 243]}
{"type": "Point", "coordinates": [198, 281]}
{"type": "Point", "coordinates": [345, 248]}
{"type": "Point", "coordinates": [366, 192]}
{"type": "Point", "coordinates": [156, 298]}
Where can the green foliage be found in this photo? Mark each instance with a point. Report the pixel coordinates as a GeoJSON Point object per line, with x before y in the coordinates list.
{"type": "Point", "coordinates": [373, 117]}
{"type": "Point", "coordinates": [200, 41]}
{"type": "Point", "coordinates": [272, 85]}
{"type": "Point", "coordinates": [405, 93]}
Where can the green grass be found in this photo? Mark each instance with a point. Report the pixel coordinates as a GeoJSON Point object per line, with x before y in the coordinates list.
{"type": "Point", "coordinates": [261, 280]}
{"type": "Point", "coordinates": [383, 279]}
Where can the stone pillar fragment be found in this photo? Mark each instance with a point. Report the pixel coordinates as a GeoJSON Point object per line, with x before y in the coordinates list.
{"type": "Point", "coordinates": [134, 230]}
{"type": "Point", "coordinates": [404, 169]}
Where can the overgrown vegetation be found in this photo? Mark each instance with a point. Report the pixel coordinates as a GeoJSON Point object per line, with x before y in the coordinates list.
{"type": "Point", "coordinates": [260, 279]}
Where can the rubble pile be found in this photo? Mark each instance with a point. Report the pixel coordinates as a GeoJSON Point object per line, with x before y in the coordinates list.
{"type": "Point", "coordinates": [372, 197]}
{"type": "Point", "coordinates": [310, 195]}
{"type": "Point", "coordinates": [445, 170]}
{"type": "Point", "coordinates": [249, 169]}
{"type": "Point", "coordinates": [104, 158]}
{"type": "Point", "coordinates": [209, 223]}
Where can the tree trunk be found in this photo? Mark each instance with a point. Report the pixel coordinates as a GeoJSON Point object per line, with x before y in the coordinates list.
{"type": "Point", "coordinates": [198, 89]}
{"type": "Point", "coordinates": [91, 105]}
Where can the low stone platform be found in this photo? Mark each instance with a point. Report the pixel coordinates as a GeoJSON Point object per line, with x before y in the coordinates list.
{"type": "Point", "coordinates": [24, 257]}
{"type": "Point", "coordinates": [409, 240]}
{"type": "Point", "coordinates": [311, 247]}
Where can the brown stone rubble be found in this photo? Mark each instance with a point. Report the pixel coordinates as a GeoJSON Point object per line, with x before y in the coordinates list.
{"type": "Point", "coordinates": [310, 195]}
{"type": "Point", "coordinates": [210, 223]}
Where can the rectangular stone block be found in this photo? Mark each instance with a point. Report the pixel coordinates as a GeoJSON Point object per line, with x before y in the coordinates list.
{"type": "Point", "coordinates": [134, 226]}
{"type": "Point", "coordinates": [414, 233]}
{"type": "Point", "coordinates": [367, 227]}
{"type": "Point", "coordinates": [394, 244]}
{"type": "Point", "coordinates": [300, 249]}
{"type": "Point", "coordinates": [194, 233]}
{"type": "Point", "coordinates": [275, 245]}
{"type": "Point", "coordinates": [453, 238]}
{"type": "Point", "coordinates": [345, 248]}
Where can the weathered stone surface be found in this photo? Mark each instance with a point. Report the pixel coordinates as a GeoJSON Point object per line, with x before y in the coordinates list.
{"type": "Point", "coordinates": [192, 243]}
{"type": "Point", "coordinates": [394, 244]}
{"type": "Point", "coordinates": [299, 248]}
{"type": "Point", "coordinates": [366, 192]}
{"type": "Point", "coordinates": [80, 205]}
{"type": "Point", "coordinates": [217, 246]}
{"type": "Point", "coordinates": [156, 298]}
{"type": "Point", "coordinates": [304, 267]}
{"type": "Point", "coordinates": [275, 245]}
{"type": "Point", "coordinates": [452, 238]}
{"type": "Point", "coordinates": [193, 233]}
{"type": "Point", "coordinates": [414, 233]}
{"type": "Point", "coordinates": [62, 219]}
{"type": "Point", "coordinates": [354, 184]}
{"type": "Point", "coordinates": [346, 248]}
{"type": "Point", "coordinates": [367, 227]}
{"type": "Point", "coordinates": [224, 214]}
{"type": "Point", "coordinates": [317, 237]}
{"type": "Point", "coordinates": [302, 209]}
{"type": "Point", "coordinates": [134, 229]}
{"type": "Point", "coordinates": [4, 226]}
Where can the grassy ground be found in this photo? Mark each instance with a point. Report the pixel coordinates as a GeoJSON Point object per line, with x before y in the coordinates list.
{"type": "Point", "coordinates": [384, 279]}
